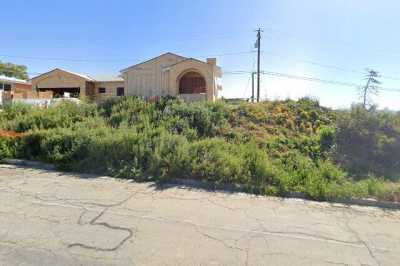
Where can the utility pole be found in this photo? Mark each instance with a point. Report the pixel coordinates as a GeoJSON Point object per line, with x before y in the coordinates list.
{"type": "Point", "coordinates": [252, 86]}
{"type": "Point", "coordinates": [258, 43]}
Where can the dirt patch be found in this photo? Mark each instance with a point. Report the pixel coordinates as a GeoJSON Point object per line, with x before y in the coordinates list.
{"type": "Point", "coordinates": [10, 134]}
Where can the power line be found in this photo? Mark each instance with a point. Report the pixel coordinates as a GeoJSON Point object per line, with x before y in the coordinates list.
{"type": "Point", "coordinates": [237, 72]}
{"type": "Point", "coordinates": [62, 59]}
{"type": "Point", "coordinates": [324, 65]}
{"type": "Point", "coordinates": [109, 60]}
{"type": "Point", "coordinates": [326, 81]}
{"type": "Point", "coordinates": [227, 54]}
{"type": "Point", "coordinates": [203, 35]}
{"type": "Point", "coordinates": [291, 76]}
{"type": "Point", "coordinates": [307, 78]}
{"type": "Point", "coordinates": [305, 61]}
{"type": "Point", "coordinates": [312, 79]}
{"type": "Point", "coordinates": [276, 74]}
{"type": "Point", "coordinates": [335, 42]}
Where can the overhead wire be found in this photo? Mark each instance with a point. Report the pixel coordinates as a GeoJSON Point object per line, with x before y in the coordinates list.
{"type": "Point", "coordinates": [85, 60]}
{"type": "Point", "coordinates": [307, 78]}
{"type": "Point", "coordinates": [335, 42]}
{"type": "Point", "coordinates": [270, 73]}
{"type": "Point", "coordinates": [328, 66]}
{"type": "Point", "coordinates": [203, 35]}
{"type": "Point", "coordinates": [305, 61]}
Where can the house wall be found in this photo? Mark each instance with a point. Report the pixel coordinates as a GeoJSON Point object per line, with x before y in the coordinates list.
{"type": "Point", "coordinates": [111, 90]}
{"type": "Point", "coordinates": [60, 79]}
{"type": "Point", "coordinates": [206, 70]}
{"type": "Point", "coordinates": [150, 78]}
{"type": "Point", "coordinates": [160, 76]}
{"type": "Point", "coordinates": [19, 87]}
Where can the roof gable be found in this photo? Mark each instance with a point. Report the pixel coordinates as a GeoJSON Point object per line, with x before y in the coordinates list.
{"type": "Point", "coordinates": [152, 59]}
{"type": "Point", "coordinates": [189, 59]}
{"type": "Point", "coordinates": [217, 68]}
{"type": "Point", "coordinates": [85, 77]}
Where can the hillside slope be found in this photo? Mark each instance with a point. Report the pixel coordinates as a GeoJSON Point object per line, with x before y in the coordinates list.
{"type": "Point", "coordinates": [269, 148]}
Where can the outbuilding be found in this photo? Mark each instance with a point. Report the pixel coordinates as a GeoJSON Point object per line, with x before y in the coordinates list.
{"type": "Point", "coordinates": [63, 82]}
{"type": "Point", "coordinates": [9, 85]}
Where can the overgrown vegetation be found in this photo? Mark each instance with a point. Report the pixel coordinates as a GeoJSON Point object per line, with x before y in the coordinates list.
{"type": "Point", "coordinates": [272, 148]}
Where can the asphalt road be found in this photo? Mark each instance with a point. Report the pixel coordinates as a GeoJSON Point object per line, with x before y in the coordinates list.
{"type": "Point", "coordinates": [53, 218]}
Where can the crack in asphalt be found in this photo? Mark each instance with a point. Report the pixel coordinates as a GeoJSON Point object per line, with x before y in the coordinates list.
{"type": "Point", "coordinates": [364, 243]}
{"type": "Point", "coordinates": [81, 205]}
{"type": "Point", "coordinates": [261, 231]}
{"type": "Point", "coordinates": [107, 225]}
{"type": "Point", "coordinates": [217, 239]}
{"type": "Point", "coordinates": [336, 263]}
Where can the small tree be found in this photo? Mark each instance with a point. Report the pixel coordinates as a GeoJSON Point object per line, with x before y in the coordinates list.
{"type": "Point", "coordinates": [370, 88]}
{"type": "Point", "coordinates": [368, 142]}
{"type": "Point", "coordinates": [13, 70]}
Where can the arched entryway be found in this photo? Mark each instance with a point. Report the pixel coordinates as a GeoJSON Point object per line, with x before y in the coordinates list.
{"type": "Point", "coordinates": [192, 83]}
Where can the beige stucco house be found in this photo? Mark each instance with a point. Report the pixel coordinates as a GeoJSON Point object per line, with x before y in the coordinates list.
{"type": "Point", "coordinates": [174, 75]}
{"type": "Point", "coordinates": [167, 74]}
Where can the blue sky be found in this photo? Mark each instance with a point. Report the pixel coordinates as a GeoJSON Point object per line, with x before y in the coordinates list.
{"type": "Point", "coordinates": [103, 37]}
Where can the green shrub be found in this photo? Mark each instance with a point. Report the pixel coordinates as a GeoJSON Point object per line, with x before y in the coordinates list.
{"type": "Point", "coordinates": [23, 118]}
{"type": "Point", "coordinates": [270, 148]}
{"type": "Point", "coordinates": [327, 139]}
{"type": "Point", "coordinates": [13, 111]}
{"type": "Point", "coordinates": [128, 111]}
{"type": "Point", "coordinates": [170, 157]}
{"type": "Point", "coordinates": [215, 160]}
{"type": "Point", "coordinates": [207, 119]}
{"type": "Point", "coordinates": [368, 143]}
{"type": "Point", "coordinates": [6, 148]}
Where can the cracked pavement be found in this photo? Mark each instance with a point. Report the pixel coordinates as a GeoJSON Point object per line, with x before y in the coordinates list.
{"type": "Point", "coordinates": [55, 218]}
